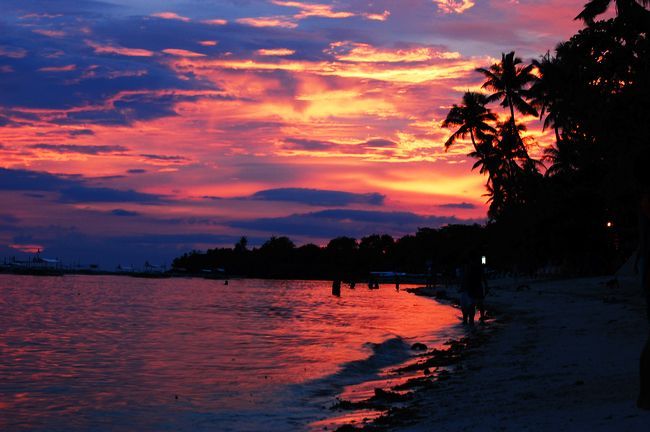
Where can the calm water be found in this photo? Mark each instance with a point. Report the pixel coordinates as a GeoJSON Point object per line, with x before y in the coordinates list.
{"type": "Point", "coordinates": [118, 353]}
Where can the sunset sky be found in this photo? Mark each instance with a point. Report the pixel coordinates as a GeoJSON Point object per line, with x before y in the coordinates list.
{"type": "Point", "coordinates": [135, 130]}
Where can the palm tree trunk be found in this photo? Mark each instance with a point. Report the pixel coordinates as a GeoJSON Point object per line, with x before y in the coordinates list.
{"type": "Point", "coordinates": [471, 134]}
{"type": "Point", "coordinates": [512, 113]}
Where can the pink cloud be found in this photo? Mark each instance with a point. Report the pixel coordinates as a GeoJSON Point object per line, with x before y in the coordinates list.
{"type": "Point", "coordinates": [12, 52]}
{"type": "Point", "coordinates": [182, 53]}
{"type": "Point", "coordinates": [112, 49]}
{"type": "Point", "coordinates": [280, 52]}
{"type": "Point", "coordinates": [50, 33]}
{"type": "Point", "coordinates": [170, 16]}
{"type": "Point", "coordinates": [216, 21]}
{"type": "Point", "coordinates": [276, 21]}
{"type": "Point", "coordinates": [67, 68]}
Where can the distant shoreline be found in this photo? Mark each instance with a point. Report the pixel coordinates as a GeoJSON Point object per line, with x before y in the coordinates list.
{"type": "Point", "coordinates": [167, 275]}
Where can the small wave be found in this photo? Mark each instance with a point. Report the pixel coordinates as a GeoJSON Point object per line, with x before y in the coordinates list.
{"type": "Point", "coordinates": [390, 352]}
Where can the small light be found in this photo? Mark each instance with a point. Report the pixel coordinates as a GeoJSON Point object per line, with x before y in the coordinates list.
{"type": "Point", "coordinates": [609, 224]}
{"type": "Point", "coordinates": [483, 260]}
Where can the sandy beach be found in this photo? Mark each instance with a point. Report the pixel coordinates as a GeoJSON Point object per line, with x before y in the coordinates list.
{"type": "Point", "coordinates": [561, 355]}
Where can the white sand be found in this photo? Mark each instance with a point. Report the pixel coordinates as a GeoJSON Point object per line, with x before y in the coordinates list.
{"type": "Point", "coordinates": [566, 360]}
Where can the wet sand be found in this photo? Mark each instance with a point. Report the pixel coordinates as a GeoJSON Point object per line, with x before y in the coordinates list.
{"type": "Point", "coordinates": [561, 355]}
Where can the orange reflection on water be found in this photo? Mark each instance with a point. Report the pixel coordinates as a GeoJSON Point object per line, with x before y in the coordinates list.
{"type": "Point", "coordinates": [100, 353]}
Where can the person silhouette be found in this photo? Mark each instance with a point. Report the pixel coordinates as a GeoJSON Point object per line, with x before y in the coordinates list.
{"type": "Point", "coordinates": [473, 287]}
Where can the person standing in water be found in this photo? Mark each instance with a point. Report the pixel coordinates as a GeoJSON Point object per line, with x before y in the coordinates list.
{"type": "Point", "coordinates": [643, 258]}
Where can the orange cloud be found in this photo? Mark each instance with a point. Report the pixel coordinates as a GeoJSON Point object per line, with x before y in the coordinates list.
{"type": "Point", "coordinates": [182, 53]}
{"type": "Point", "coordinates": [170, 16]}
{"type": "Point", "coordinates": [454, 6]}
{"type": "Point", "coordinates": [277, 21]}
{"type": "Point", "coordinates": [111, 49]}
{"type": "Point", "coordinates": [377, 16]}
{"type": "Point", "coordinates": [420, 73]}
{"type": "Point", "coordinates": [208, 43]}
{"type": "Point", "coordinates": [275, 52]}
{"type": "Point", "coordinates": [313, 10]}
{"type": "Point", "coordinates": [364, 53]}
{"type": "Point", "coordinates": [215, 21]}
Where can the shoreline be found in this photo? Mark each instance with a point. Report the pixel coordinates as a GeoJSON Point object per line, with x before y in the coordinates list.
{"type": "Point", "coordinates": [393, 405]}
{"type": "Point", "coordinates": [560, 355]}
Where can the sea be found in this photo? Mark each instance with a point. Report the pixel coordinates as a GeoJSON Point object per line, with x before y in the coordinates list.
{"type": "Point", "coordinates": [118, 353]}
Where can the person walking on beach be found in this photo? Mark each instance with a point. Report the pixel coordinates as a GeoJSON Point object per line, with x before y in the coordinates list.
{"type": "Point", "coordinates": [643, 258]}
{"type": "Point", "coordinates": [473, 288]}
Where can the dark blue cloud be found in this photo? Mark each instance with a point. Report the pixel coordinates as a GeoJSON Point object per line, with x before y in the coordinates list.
{"type": "Point", "coordinates": [72, 246]}
{"type": "Point", "coordinates": [354, 223]}
{"type": "Point", "coordinates": [122, 212]}
{"type": "Point", "coordinates": [84, 194]}
{"type": "Point", "coordinates": [48, 7]}
{"type": "Point", "coordinates": [81, 149]}
{"type": "Point", "coordinates": [462, 206]}
{"type": "Point", "coordinates": [308, 144]}
{"type": "Point", "coordinates": [318, 197]}
{"type": "Point", "coordinates": [5, 121]}
{"type": "Point", "coordinates": [8, 218]}
{"type": "Point", "coordinates": [92, 77]}
{"type": "Point", "coordinates": [24, 180]}
{"type": "Point", "coordinates": [96, 76]}
{"type": "Point", "coordinates": [71, 189]}
{"type": "Point", "coordinates": [171, 158]}
{"type": "Point", "coordinates": [318, 145]}
{"type": "Point", "coordinates": [380, 143]}
{"type": "Point", "coordinates": [131, 108]}
{"type": "Point", "coordinates": [250, 125]}
{"type": "Point", "coordinates": [80, 132]}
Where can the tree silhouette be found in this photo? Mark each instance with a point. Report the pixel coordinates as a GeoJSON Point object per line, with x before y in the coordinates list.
{"type": "Point", "coordinates": [549, 93]}
{"type": "Point", "coordinates": [632, 11]}
{"type": "Point", "coordinates": [472, 116]}
{"type": "Point", "coordinates": [509, 80]}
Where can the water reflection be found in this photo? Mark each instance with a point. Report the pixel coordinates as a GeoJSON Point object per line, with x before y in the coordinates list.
{"type": "Point", "coordinates": [106, 353]}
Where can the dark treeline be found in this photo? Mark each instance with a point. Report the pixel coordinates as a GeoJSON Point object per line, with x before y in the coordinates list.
{"type": "Point", "coordinates": [572, 205]}
{"type": "Point", "coordinates": [437, 250]}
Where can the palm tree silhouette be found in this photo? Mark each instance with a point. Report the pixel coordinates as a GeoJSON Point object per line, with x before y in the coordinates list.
{"type": "Point", "coordinates": [633, 11]}
{"type": "Point", "coordinates": [549, 93]}
{"type": "Point", "coordinates": [564, 158]}
{"type": "Point", "coordinates": [472, 116]}
{"type": "Point", "coordinates": [509, 80]}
